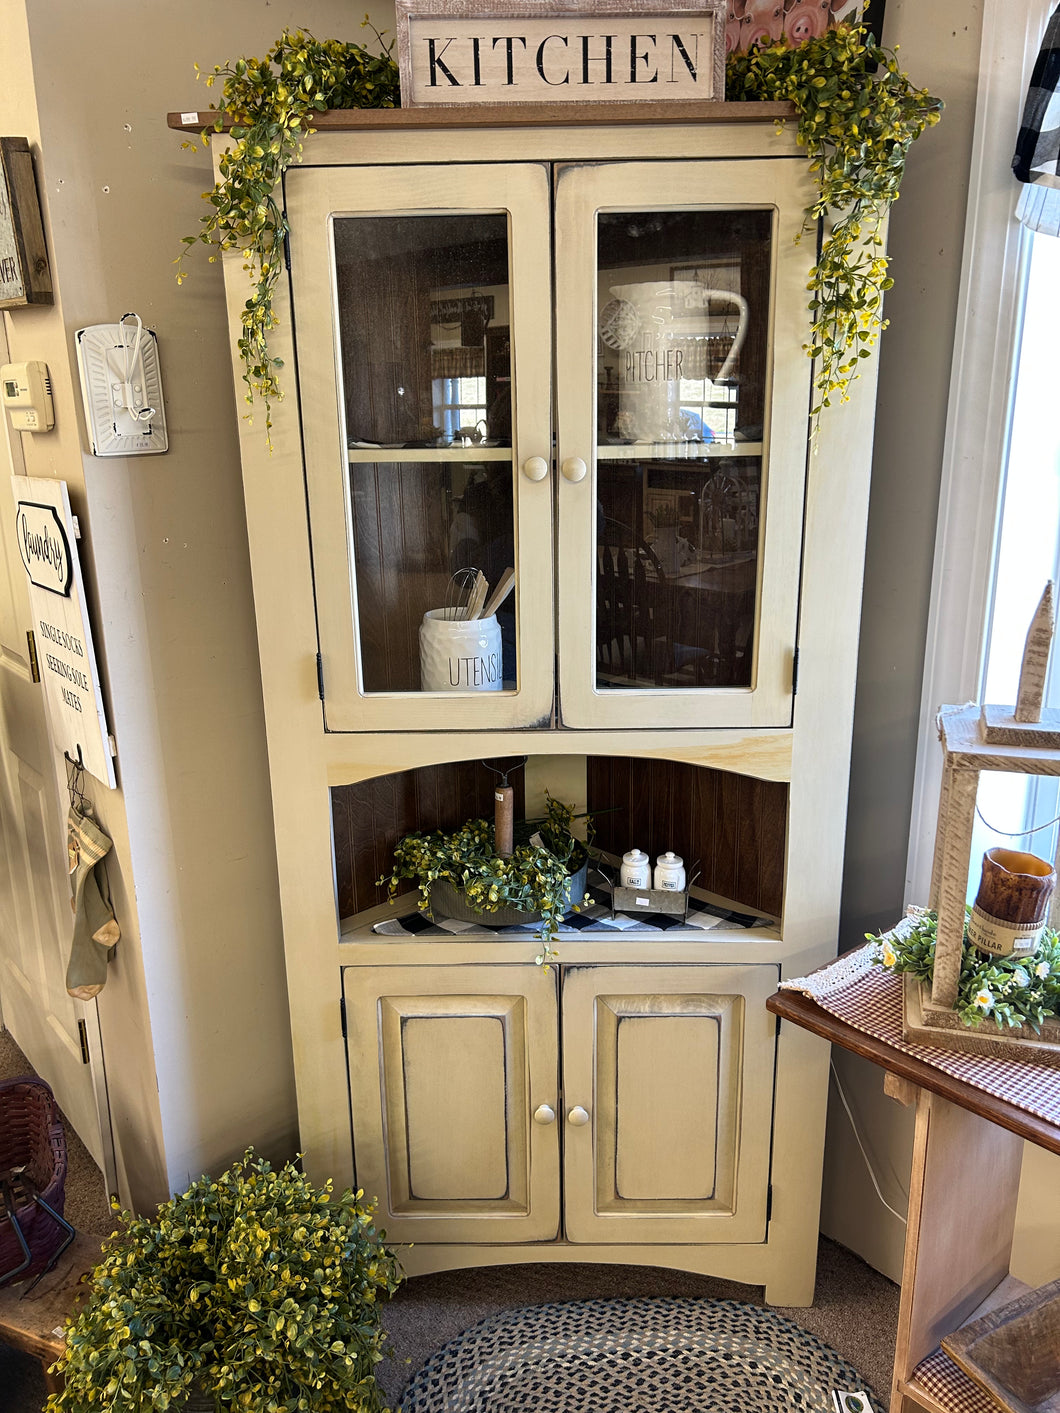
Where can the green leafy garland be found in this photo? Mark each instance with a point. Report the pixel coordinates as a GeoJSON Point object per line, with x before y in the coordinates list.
{"type": "Point", "coordinates": [858, 115]}
{"type": "Point", "coordinates": [257, 1288]}
{"type": "Point", "coordinates": [270, 103]}
{"type": "Point", "coordinates": [1015, 991]}
{"type": "Point", "coordinates": [534, 879]}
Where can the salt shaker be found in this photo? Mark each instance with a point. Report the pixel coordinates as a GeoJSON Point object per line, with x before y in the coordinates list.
{"type": "Point", "coordinates": [636, 870]}
{"type": "Point", "coordinates": [670, 872]}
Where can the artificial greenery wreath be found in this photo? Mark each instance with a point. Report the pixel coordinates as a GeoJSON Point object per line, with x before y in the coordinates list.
{"type": "Point", "coordinates": [1015, 991]}
{"type": "Point", "coordinates": [252, 1290]}
{"type": "Point", "coordinates": [858, 115]}
{"type": "Point", "coordinates": [534, 879]}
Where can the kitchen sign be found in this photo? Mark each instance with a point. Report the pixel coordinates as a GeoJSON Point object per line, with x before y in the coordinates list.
{"type": "Point", "coordinates": [62, 635]}
{"type": "Point", "coordinates": [465, 52]}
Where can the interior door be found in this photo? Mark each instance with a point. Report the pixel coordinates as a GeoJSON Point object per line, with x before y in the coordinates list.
{"type": "Point", "coordinates": [35, 919]}
{"type": "Point", "coordinates": [454, 1096]}
{"type": "Point", "coordinates": [682, 401]}
{"type": "Point", "coordinates": [667, 1096]}
{"type": "Point", "coordinates": [421, 298]}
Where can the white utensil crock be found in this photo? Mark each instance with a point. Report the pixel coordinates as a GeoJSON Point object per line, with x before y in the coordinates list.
{"type": "Point", "coordinates": [459, 654]}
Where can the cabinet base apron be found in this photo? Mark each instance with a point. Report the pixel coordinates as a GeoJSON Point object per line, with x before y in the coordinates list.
{"type": "Point", "coordinates": [785, 1283]}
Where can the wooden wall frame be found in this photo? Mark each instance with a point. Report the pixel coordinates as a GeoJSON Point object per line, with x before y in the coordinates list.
{"type": "Point", "coordinates": [25, 274]}
{"type": "Point", "coordinates": [474, 52]}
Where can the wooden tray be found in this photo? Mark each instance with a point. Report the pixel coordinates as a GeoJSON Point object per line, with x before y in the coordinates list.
{"type": "Point", "coordinates": [1014, 1352]}
{"type": "Point", "coordinates": [925, 1024]}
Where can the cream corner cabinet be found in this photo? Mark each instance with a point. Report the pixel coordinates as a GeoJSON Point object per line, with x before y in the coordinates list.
{"type": "Point", "coordinates": [573, 349]}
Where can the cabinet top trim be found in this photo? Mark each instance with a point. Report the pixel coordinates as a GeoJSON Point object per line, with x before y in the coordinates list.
{"type": "Point", "coordinates": [520, 115]}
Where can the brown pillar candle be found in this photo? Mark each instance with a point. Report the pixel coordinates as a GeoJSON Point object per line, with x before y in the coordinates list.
{"type": "Point", "coordinates": [504, 821]}
{"type": "Point", "coordinates": [1010, 907]}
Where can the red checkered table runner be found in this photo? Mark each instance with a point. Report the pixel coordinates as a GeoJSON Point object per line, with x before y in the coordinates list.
{"type": "Point", "coordinates": [950, 1386]}
{"type": "Point", "coordinates": [860, 991]}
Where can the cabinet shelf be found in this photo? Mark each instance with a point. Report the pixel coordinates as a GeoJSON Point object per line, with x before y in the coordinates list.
{"type": "Point", "coordinates": [713, 927]}
{"type": "Point", "coordinates": [678, 451]}
{"type": "Point", "coordinates": [370, 454]}
{"type": "Point", "coordinates": [634, 451]}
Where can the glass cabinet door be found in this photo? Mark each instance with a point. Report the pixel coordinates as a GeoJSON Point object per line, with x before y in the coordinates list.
{"type": "Point", "coordinates": [418, 294]}
{"type": "Point", "coordinates": [683, 393]}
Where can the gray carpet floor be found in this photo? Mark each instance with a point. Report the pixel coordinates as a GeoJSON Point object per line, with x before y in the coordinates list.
{"type": "Point", "coordinates": [855, 1309]}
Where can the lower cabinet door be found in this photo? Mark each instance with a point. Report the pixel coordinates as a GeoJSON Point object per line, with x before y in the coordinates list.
{"type": "Point", "coordinates": [447, 1068]}
{"type": "Point", "coordinates": [668, 1096]}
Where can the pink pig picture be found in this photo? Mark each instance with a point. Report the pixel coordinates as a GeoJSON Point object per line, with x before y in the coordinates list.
{"type": "Point", "coordinates": [754, 22]}
{"type": "Point", "coordinates": [808, 19]}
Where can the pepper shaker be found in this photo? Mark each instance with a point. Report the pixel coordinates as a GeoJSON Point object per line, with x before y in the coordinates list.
{"type": "Point", "coordinates": [670, 872]}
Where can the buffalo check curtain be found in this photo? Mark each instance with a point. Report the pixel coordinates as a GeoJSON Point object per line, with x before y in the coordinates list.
{"type": "Point", "coordinates": [1037, 158]}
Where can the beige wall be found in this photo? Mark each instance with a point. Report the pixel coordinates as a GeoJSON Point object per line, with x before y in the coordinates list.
{"type": "Point", "coordinates": [194, 1015]}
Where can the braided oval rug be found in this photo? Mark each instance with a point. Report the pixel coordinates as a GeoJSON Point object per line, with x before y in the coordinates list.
{"type": "Point", "coordinates": [633, 1356]}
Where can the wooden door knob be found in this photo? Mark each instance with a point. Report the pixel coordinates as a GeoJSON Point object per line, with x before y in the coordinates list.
{"type": "Point", "coordinates": [544, 1114]}
{"type": "Point", "coordinates": [578, 1116]}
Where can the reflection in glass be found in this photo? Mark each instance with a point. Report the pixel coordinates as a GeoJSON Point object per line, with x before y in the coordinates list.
{"type": "Point", "coordinates": [423, 319]}
{"type": "Point", "coordinates": [426, 367]}
{"type": "Point", "coordinates": [677, 554]}
{"type": "Point", "coordinates": [417, 526]}
{"type": "Point", "coordinates": [681, 382]}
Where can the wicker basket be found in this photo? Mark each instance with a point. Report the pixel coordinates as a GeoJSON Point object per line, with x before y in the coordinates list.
{"type": "Point", "coordinates": [31, 1137]}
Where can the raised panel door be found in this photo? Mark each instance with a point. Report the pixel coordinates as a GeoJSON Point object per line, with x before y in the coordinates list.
{"type": "Point", "coordinates": [447, 1067]}
{"type": "Point", "coordinates": [673, 1067]}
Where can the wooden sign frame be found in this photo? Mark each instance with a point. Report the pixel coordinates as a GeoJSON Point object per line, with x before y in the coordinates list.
{"type": "Point", "coordinates": [483, 52]}
{"type": "Point", "coordinates": [47, 545]}
{"type": "Point", "coordinates": [25, 274]}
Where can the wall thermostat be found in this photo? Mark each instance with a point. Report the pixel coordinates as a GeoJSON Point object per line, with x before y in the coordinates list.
{"type": "Point", "coordinates": [26, 392]}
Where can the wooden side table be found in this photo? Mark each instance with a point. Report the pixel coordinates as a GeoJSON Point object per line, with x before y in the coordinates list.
{"type": "Point", "coordinates": [967, 1150]}
{"type": "Point", "coordinates": [34, 1324]}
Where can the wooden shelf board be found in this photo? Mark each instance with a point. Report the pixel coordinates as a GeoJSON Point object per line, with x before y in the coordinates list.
{"type": "Point", "coordinates": [519, 115]}
{"type": "Point", "coordinates": [369, 454]}
{"type": "Point", "coordinates": [677, 451]}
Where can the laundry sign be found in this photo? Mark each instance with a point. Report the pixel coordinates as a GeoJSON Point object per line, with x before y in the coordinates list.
{"type": "Point", "coordinates": [458, 52]}
{"type": "Point", "coordinates": [62, 635]}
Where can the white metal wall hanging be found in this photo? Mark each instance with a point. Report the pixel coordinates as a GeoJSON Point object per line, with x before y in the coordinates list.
{"type": "Point", "coordinates": [121, 383]}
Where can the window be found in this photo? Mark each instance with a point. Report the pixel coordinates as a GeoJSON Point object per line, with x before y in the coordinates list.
{"type": "Point", "coordinates": [1028, 556]}
{"type": "Point", "coordinates": [997, 530]}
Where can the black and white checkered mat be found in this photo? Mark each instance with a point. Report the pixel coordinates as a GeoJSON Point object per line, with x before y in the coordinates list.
{"type": "Point", "coordinates": [597, 917]}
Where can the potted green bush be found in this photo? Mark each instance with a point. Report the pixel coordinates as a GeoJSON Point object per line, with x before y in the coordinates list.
{"type": "Point", "coordinates": [462, 875]}
{"type": "Point", "coordinates": [255, 1290]}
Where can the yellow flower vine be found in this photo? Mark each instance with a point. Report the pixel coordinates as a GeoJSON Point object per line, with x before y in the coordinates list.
{"type": "Point", "coordinates": [858, 115]}
{"type": "Point", "coordinates": [270, 105]}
